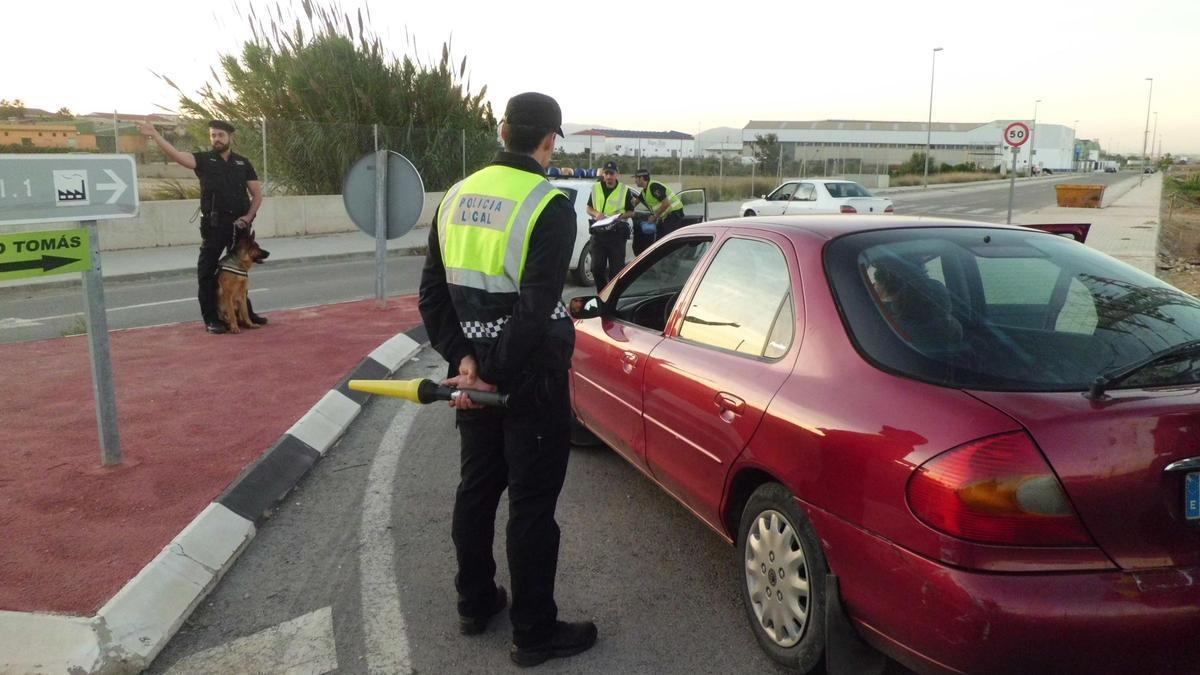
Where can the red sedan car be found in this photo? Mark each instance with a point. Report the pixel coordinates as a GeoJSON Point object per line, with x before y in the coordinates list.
{"type": "Point", "coordinates": [974, 447]}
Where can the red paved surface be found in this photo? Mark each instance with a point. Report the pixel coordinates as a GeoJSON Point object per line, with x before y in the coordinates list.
{"type": "Point", "coordinates": [194, 409]}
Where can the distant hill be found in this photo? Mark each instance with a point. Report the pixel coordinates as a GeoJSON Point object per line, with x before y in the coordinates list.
{"type": "Point", "coordinates": [711, 137]}
{"type": "Point", "coordinates": [573, 128]}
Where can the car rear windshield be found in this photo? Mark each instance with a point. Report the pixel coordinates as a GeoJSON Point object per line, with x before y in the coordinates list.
{"type": "Point", "coordinates": [842, 190]}
{"type": "Point", "coordinates": [1006, 310]}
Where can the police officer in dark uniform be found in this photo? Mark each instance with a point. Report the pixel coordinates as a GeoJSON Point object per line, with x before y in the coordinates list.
{"type": "Point", "coordinates": [230, 195]}
{"type": "Point", "coordinates": [490, 299]}
{"type": "Point", "coordinates": [609, 197]}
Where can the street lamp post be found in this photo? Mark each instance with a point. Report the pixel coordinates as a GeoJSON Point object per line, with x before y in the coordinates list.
{"type": "Point", "coordinates": [1146, 131]}
{"type": "Point", "coordinates": [929, 123]}
{"type": "Point", "coordinates": [1075, 133]}
{"type": "Point", "coordinates": [1033, 137]}
{"type": "Point", "coordinates": [1154, 135]}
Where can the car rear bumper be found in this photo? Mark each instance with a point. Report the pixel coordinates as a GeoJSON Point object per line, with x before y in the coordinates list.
{"type": "Point", "coordinates": [936, 618]}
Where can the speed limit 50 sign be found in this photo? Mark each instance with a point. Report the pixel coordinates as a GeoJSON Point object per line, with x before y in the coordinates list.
{"type": "Point", "coordinates": [1016, 134]}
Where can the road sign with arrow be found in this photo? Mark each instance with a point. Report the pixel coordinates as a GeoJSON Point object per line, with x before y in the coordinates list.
{"type": "Point", "coordinates": [67, 187]}
{"type": "Point", "coordinates": [33, 254]}
{"type": "Point", "coordinates": [83, 188]}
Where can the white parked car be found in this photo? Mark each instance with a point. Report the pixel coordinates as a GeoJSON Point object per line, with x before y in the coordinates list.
{"type": "Point", "coordinates": [817, 195]}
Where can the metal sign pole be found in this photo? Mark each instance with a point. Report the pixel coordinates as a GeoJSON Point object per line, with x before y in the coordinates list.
{"type": "Point", "coordinates": [102, 374]}
{"type": "Point", "coordinates": [1012, 183]}
{"type": "Point", "coordinates": [265, 175]}
{"type": "Point", "coordinates": [381, 162]}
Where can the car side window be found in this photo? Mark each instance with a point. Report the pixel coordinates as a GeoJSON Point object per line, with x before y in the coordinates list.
{"type": "Point", "coordinates": [783, 192]}
{"type": "Point", "coordinates": [743, 304]}
{"type": "Point", "coordinates": [647, 293]}
{"type": "Point", "coordinates": [806, 193]}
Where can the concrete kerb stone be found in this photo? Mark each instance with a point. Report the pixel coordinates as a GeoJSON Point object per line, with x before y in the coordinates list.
{"type": "Point", "coordinates": [48, 643]}
{"type": "Point", "coordinates": [393, 353]}
{"type": "Point", "coordinates": [326, 421]}
{"type": "Point", "coordinates": [132, 628]}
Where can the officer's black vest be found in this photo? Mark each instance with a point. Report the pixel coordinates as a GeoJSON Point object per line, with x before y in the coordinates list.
{"type": "Point", "coordinates": [223, 184]}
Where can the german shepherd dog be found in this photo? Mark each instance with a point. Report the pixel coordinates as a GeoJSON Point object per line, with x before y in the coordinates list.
{"type": "Point", "coordinates": [233, 280]}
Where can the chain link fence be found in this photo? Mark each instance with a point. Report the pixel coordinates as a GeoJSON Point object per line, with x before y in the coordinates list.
{"type": "Point", "coordinates": [310, 158]}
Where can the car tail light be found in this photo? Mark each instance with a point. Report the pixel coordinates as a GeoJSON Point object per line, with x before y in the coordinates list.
{"type": "Point", "coordinates": [846, 208]}
{"type": "Point", "coordinates": [996, 490]}
{"type": "Point", "coordinates": [889, 209]}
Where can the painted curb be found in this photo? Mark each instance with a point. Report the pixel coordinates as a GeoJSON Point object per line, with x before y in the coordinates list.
{"type": "Point", "coordinates": [135, 624]}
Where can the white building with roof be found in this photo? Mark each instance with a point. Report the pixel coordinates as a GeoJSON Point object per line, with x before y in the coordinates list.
{"type": "Point", "coordinates": [851, 144]}
{"type": "Point", "coordinates": [629, 143]}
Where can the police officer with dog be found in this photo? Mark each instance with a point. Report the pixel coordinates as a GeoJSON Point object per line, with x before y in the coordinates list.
{"type": "Point", "coordinates": [490, 299]}
{"type": "Point", "coordinates": [230, 196]}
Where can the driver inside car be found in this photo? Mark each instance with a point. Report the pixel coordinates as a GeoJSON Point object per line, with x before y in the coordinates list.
{"type": "Point", "coordinates": [916, 305]}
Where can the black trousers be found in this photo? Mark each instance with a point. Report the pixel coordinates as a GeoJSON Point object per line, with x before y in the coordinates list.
{"type": "Point", "coordinates": [216, 237]}
{"type": "Point", "coordinates": [525, 450]}
{"type": "Point", "coordinates": [670, 222]}
{"type": "Point", "coordinates": [608, 257]}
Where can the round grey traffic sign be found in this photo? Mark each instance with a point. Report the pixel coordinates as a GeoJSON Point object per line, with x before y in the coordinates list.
{"type": "Point", "coordinates": [405, 194]}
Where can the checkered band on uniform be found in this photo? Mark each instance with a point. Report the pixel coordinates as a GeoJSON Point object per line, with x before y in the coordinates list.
{"type": "Point", "coordinates": [477, 330]}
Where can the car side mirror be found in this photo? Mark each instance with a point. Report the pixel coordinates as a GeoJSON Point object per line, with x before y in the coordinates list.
{"type": "Point", "coordinates": [585, 307]}
{"type": "Point", "coordinates": [762, 196]}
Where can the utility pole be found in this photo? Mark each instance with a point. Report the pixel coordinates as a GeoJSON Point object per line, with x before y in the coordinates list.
{"type": "Point", "coordinates": [1146, 131]}
{"type": "Point", "coordinates": [929, 123]}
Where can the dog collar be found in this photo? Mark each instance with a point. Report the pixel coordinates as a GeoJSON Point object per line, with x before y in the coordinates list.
{"type": "Point", "coordinates": [234, 270]}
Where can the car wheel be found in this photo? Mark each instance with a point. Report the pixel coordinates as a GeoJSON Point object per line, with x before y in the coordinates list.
{"type": "Point", "coordinates": [783, 578]}
{"type": "Point", "coordinates": [749, 213]}
{"type": "Point", "coordinates": [583, 271]}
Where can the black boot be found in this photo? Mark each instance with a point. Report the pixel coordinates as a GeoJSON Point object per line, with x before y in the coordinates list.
{"type": "Point", "coordinates": [474, 625]}
{"type": "Point", "coordinates": [568, 639]}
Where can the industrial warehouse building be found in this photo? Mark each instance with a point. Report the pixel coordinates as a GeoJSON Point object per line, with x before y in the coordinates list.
{"type": "Point", "coordinates": [863, 146]}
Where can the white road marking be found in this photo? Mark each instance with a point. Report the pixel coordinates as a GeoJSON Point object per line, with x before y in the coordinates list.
{"type": "Point", "coordinates": [976, 212]}
{"type": "Point", "coordinates": [948, 209]}
{"type": "Point", "coordinates": [385, 632]}
{"type": "Point", "coordinates": [303, 646]}
{"type": "Point", "coordinates": [41, 319]}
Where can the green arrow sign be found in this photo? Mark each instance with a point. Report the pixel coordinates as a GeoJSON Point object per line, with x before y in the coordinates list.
{"type": "Point", "coordinates": [35, 254]}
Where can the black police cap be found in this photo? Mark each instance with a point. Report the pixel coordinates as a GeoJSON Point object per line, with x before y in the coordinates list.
{"type": "Point", "coordinates": [641, 173]}
{"type": "Point", "coordinates": [535, 110]}
{"type": "Point", "coordinates": [221, 125]}
{"type": "Point", "coordinates": [611, 166]}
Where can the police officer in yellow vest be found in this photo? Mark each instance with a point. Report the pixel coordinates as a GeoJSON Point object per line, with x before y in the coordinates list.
{"type": "Point", "coordinates": [610, 197]}
{"type": "Point", "coordinates": [490, 299]}
{"type": "Point", "coordinates": [666, 210]}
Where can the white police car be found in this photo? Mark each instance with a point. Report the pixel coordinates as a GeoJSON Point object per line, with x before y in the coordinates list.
{"type": "Point", "coordinates": [578, 189]}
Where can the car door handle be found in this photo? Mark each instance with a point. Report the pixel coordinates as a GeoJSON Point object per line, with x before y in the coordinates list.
{"type": "Point", "coordinates": [629, 357]}
{"type": "Point", "coordinates": [730, 403]}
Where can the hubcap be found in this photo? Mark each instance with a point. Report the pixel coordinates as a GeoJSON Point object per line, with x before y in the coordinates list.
{"type": "Point", "coordinates": [777, 578]}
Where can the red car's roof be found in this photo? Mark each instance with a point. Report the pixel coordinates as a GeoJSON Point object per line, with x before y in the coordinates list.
{"type": "Point", "coordinates": [834, 225]}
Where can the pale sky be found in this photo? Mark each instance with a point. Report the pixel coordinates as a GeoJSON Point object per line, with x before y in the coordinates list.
{"type": "Point", "coordinates": [665, 65]}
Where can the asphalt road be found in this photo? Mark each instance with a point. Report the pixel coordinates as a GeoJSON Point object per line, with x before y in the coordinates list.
{"type": "Point", "coordinates": [990, 202]}
{"type": "Point", "coordinates": [32, 313]}
{"type": "Point", "coordinates": [355, 571]}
